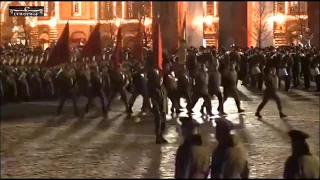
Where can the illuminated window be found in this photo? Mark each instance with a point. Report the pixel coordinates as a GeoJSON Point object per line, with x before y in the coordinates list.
{"type": "Point", "coordinates": [76, 8]}
{"type": "Point", "coordinates": [210, 8]}
{"type": "Point", "coordinates": [298, 7]}
{"type": "Point", "coordinates": [46, 8]}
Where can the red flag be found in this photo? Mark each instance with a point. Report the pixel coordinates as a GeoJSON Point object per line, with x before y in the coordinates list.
{"type": "Point", "coordinates": [157, 45]}
{"type": "Point", "coordinates": [93, 45]}
{"type": "Point", "coordinates": [60, 53]}
{"type": "Point", "coordinates": [139, 44]}
{"type": "Point", "coordinates": [118, 48]}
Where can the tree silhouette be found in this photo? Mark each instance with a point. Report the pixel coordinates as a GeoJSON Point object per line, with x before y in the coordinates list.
{"type": "Point", "coordinates": [261, 16]}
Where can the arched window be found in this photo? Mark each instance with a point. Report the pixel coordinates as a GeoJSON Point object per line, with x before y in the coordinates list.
{"type": "Point", "coordinates": [76, 8]}
{"type": "Point", "coordinates": [298, 7]}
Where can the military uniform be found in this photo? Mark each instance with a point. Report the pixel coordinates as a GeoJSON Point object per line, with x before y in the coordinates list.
{"type": "Point", "coordinates": [192, 159]}
{"type": "Point", "coordinates": [119, 83]}
{"type": "Point", "coordinates": [285, 70]}
{"type": "Point", "coordinates": [96, 90]}
{"type": "Point", "coordinates": [159, 101]}
{"type": "Point", "coordinates": [229, 83]}
{"type": "Point", "coordinates": [315, 70]}
{"type": "Point", "coordinates": [271, 82]}
{"type": "Point", "coordinates": [301, 164]}
{"type": "Point", "coordinates": [200, 90]}
{"type": "Point", "coordinates": [139, 87]}
{"type": "Point", "coordinates": [229, 159]}
{"type": "Point", "coordinates": [67, 87]}
{"type": "Point", "coordinates": [184, 85]}
{"type": "Point", "coordinates": [296, 68]}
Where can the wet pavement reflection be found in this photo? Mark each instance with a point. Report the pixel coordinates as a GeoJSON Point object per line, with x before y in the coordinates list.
{"type": "Point", "coordinates": [125, 148]}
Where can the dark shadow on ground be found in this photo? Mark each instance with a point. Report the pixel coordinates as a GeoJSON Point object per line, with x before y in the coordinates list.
{"type": "Point", "coordinates": [280, 132]}
{"type": "Point", "coordinates": [154, 168]}
{"type": "Point", "coordinates": [13, 112]}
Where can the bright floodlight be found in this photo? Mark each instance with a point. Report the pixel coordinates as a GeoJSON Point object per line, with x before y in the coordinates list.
{"type": "Point", "coordinates": [208, 20]}
{"type": "Point", "coordinates": [15, 29]}
{"type": "Point", "coordinates": [53, 22]}
{"type": "Point", "coordinates": [280, 18]}
{"type": "Point", "coordinates": [147, 22]}
{"type": "Point", "coordinates": [118, 22]}
{"type": "Point", "coordinates": [33, 24]}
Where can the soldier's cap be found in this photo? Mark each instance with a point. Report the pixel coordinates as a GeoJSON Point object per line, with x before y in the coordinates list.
{"type": "Point", "coordinates": [224, 125]}
{"type": "Point", "coordinates": [297, 135]}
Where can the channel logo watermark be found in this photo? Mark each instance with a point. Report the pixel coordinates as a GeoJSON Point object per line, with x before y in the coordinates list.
{"type": "Point", "coordinates": [26, 10]}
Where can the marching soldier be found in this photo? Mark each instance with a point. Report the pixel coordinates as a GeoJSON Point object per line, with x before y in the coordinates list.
{"type": "Point", "coordinates": [96, 90]}
{"type": "Point", "coordinates": [159, 101]}
{"type": "Point", "coordinates": [67, 87]}
{"type": "Point", "coordinates": [230, 88]}
{"type": "Point", "coordinates": [184, 85]}
{"type": "Point", "coordinates": [119, 82]}
{"type": "Point", "coordinates": [306, 65]}
{"type": "Point", "coordinates": [200, 90]}
{"type": "Point", "coordinates": [214, 86]}
{"type": "Point", "coordinates": [139, 81]}
{"type": "Point", "coordinates": [271, 82]}
{"type": "Point", "coordinates": [301, 164]}
{"type": "Point", "coordinates": [285, 70]}
{"type": "Point", "coordinates": [296, 68]}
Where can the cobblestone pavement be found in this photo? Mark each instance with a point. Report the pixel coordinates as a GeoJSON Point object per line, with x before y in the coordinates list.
{"type": "Point", "coordinates": [38, 145]}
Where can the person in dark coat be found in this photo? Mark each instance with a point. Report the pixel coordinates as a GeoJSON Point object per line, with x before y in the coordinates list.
{"type": "Point", "coordinates": [229, 159]}
{"type": "Point", "coordinates": [296, 68]}
{"type": "Point", "coordinates": [315, 70]}
{"type": "Point", "coordinates": [192, 157]}
{"type": "Point", "coordinates": [200, 90]}
{"type": "Point", "coordinates": [67, 90]}
{"type": "Point", "coordinates": [271, 82]}
{"type": "Point", "coordinates": [214, 87]}
{"type": "Point", "coordinates": [301, 164]}
{"type": "Point", "coordinates": [306, 65]}
{"type": "Point", "coordinates": [184, 85]}
{"type": "Point", "coordinates": [159, 102]}
{"type": "Point", "coordinates": [139, 87]}
{"type": "Point", "coordinates": [96, 90]}
{"type": "Point", "coordinates": [285, 70]}
{"type": "Point", "coordinates": [230, 89]}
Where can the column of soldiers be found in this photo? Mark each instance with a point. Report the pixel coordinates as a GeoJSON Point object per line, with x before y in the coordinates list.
{"type": "Point", "coordinates": [24, 77]}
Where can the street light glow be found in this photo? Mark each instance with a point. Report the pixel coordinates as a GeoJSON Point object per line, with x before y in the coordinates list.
{"type": "Point", "coordinates": [15, 29]}
{"type": "Point", "coordinates": [147, 22]}
{"type": "Point", "coordinates": [279, 18]}
{"type": "Point", "coordinates": [118, 22]}
{"type": "Point", "coordinates": [53, 22]}
{"type": "Point", "coordinates": [208, 20]}
{"type": "Point", "coordinates": [33, 24]}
